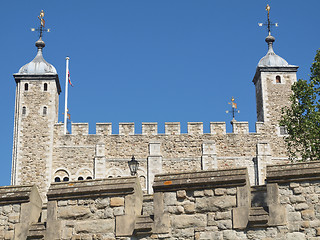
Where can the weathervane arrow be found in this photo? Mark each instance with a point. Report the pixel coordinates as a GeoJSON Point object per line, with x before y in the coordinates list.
{"type": "Point", "coordinates": [41, 29]}
{"type": "Point", "coordinates": [269, 24]}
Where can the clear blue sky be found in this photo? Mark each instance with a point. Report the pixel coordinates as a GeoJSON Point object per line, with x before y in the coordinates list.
{"type": "Point", "coordinates": [152, 61]}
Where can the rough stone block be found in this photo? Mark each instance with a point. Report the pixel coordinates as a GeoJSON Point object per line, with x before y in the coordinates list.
{"type": "Point", "coordinates": [215, 203]}
{"type": "Point", "coordinates": [187, 221]}
{"type": "Point", "coordinates": [125, 225]}
{"type": "Point", "coordinates": [296, 236]}
{"type": "Point", "coordinates": [223, 215]}
{"type": "Point", "coordinates": [208, 192]}
{"type": "Point", "coordinates": [181, 194]}
{"type": "Point", "coordinates": [189, 207]}
{"type": "Point", "coordinates": [116, 202]}
{"type": "Point", "coordinates": [95, 226]}
{"type": "Point", "coordinates": [170, 198]}
{"type": "Point", "coordinates": [240, 216]}
{"type": "Point", "coordinates": [220, 191]}
{"type": "Point", "coordinates": [308, 214]}
{"type": "Point", "coordinates": [73, 212]}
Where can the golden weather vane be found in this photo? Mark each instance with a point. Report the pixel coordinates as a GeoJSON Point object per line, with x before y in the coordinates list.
{"type": "Point", "coordinates": [41, 28]}
{"type": "Point", "coordinates": [233, 108]}
{"type": "Point", "coordinates": [269, 24]}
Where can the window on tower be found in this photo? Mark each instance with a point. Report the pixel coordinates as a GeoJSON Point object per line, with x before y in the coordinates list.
{"type": "Point", "coordinates": [278, 79]}
{"type": "Point", "coordinates": [65, 179]}
{"type": "Point", "coordinates": [57, 179]}
{"type": "Point", "coordinates": [45, 110]}
{"type": "Point", "coordinates": [26, 86]}
{"type": "Point", "coordinates": [24, 110]}
{"type": "Point", "coordinates": [45, 87]}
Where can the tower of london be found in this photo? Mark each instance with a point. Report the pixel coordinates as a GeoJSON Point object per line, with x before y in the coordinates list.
{"type": "Point", "coordinates": [193, 185]}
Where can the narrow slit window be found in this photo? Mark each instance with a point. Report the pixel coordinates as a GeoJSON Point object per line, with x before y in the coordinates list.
{"type": "Point", "coordinates": [24, 110]}
{"type": "Point", "coordinates": [26, 86]}
{"type": "Point", "coordinates": [45, 110]}
{"type": "Point", "coordinates": [45, 87]}
{"type": "Point", "coordinates": [283, 130]}
{"type": "Point", "coordinates": [278, 79]}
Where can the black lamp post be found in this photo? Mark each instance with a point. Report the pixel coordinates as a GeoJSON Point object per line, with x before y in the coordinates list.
{"type": "Point", "coordinates": [133, 166]}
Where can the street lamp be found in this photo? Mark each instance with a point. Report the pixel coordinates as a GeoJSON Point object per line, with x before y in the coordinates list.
{"type": "Point", "coordinates": [133, 166]}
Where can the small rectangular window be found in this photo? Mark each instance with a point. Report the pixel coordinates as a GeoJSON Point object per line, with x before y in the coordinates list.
{"type": "Point", "coordinates": [283, 130]}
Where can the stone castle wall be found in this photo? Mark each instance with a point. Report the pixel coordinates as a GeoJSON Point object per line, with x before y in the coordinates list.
{"type": "Point", "coordinates": [191, 205]}
{"type": "Point", "coordinates": [105, 154]}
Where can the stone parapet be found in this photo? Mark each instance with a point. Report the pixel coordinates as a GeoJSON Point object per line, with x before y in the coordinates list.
{"type": "Point", "coordinates": [18, 194]}
{"type": "Point", "coordinates": [240, 127]}
{"type": "Point", "coordinates": [126, 128]}
{"type": "Point", "coordinates": [79, 128]}
{"type": "Point", "coordinates": [218, 128]}
{"type": "Point", "coordinates": [20, 207]}
{"type": "Point", "coordinates": [109, 207]}
{"type": "Point", "coordinates": [172, 128]}
{"type": "Point", "coordinates": [195, 128]}
{"type": "Point", "coordinates": [149, 128]}
{"type": "Point", "coordinates": [103, 128]}
{"type": "Point", "coordinates": [306, 171]}
{"type": "Point", "coordinates": [201, 180]}
{"type": "Point", "coordinates": [92, 188]}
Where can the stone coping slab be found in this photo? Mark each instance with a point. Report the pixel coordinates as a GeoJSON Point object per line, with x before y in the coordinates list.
{"type": "Point", "coordinates": [92, 188]}
{"type": "Point", "coordinates": [201, 180]}
{"type": "Point", "coordinates": [16, 194]}
{"type": "Point", "coordinates": [293, 172]}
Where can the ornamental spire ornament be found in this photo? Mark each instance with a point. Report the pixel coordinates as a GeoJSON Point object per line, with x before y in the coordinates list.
{"type": "Point", "coordinates": [41, 29]}
{"type": "Point", "coordinates": [269, 24]}
{"type": "Point", "coordinates": [234, 109]}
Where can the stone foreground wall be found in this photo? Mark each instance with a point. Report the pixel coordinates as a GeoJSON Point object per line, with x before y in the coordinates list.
{"type": "Point", "coordinates": [192, 205]}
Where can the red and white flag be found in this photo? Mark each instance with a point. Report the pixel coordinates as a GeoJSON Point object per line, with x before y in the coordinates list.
{"type": "Point", "coordinates": [69, 80]}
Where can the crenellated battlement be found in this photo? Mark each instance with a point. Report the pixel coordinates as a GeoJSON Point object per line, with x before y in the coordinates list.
{"type": "Point", "coordinates": [151, 128]}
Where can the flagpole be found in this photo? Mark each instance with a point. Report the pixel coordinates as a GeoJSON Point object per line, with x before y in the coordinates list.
{"type": "Point", "coordinates": [66, 97]}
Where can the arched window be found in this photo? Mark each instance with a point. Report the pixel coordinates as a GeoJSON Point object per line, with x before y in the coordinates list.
{"type": "Point", "coordinates": [45, 87]}
{"type": "Point", "coordinates": [278, 79]}
{"type": "Point", "coordinates": [26, 86]}
{"type": "Point", "coordinates": [24, 110]}
{"type": "Point", "coordinates": [57, 179]}
{"type": "Point", "coordinates": [80, 178]}
{"type": "Point", "coordinates": [65, 179]}
{"type": "Point", "coordinates": [89, 177]}
{"type": "Point", "coordinates": [44, 111]}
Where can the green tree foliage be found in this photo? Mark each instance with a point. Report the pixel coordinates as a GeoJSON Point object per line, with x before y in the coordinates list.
{"type": "Point", "coordinates": [302, 118]}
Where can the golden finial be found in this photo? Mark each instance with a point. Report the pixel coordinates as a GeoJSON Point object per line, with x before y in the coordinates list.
{"type": "Point", "coordinates": [41, 14]}
{"type": "Point", "coordinates": [269, 24]}
{"type": "Point", "coordinates": [268, 8]}
{"type": "Point", "coordinates": [41, 28]}
{"type": "Point", "coordinates": [233, 108]}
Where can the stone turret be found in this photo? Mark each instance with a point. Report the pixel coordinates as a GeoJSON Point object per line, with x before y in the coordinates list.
{"type": "Point", "coordinates": [273, 80]}
{"type": "Point", "coordinates": [36, 112]}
